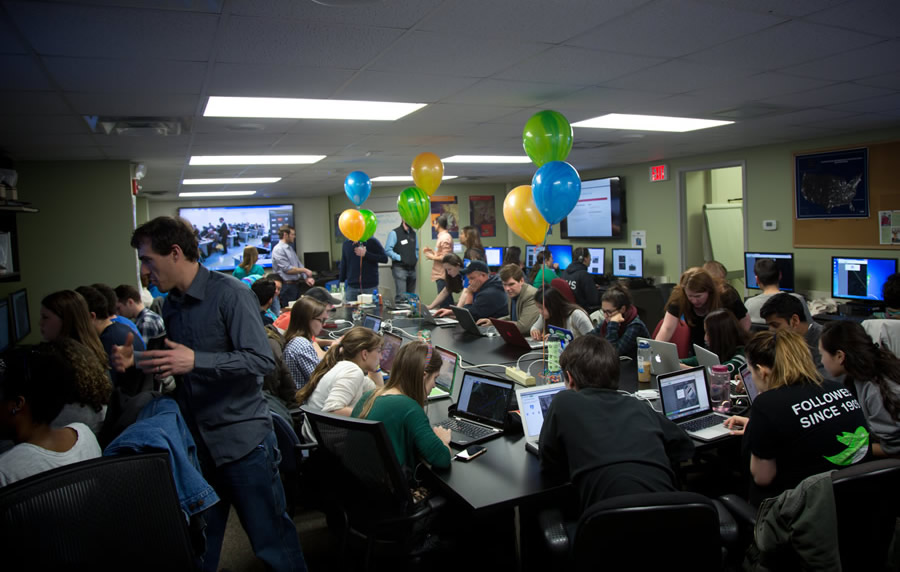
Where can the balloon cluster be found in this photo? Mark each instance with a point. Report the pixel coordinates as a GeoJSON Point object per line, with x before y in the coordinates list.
{"type": "Point", "coordinates": [555, 188]}
{"type": "Point", "coordinates": [358, 225]}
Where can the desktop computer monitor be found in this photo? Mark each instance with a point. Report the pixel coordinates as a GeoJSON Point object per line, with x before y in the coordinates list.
{"type": "Point", "coordinates": [860, 278]}
{"type": "Point", "coordinates": [493, 255]}
{"type": "Point", "coordinates": [5, 341]}
{"type": "Point", "coordinates": [457, 248]}
{"type": "Point", "coordinates": [598, 258]}
{"type": "Point", "coordinates": [317, 261]}
{"type": "Point", "coordinates": [783, 260]}
{"type": "Point", "coordinates": [628, 262]}
{"type": "Point", "coordinates": [531, 253]}
{"type": "Point", "coordinates": [562, 254]}
{"type": "Point", "coordinates": [21, 322]}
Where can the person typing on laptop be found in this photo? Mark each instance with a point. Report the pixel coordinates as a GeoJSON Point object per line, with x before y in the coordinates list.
{"type": "Point", "coordinates": [489, 299]}
{"type": "Point", "coordinates": [555, 310]}
{"type": "Point", "coordinates": [607, 443]}
{"type": "Point", "coordinates": [521, 308]}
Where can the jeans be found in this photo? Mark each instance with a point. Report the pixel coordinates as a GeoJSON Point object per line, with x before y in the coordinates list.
{"type": "Point", "coordinates": [404, 281]}
{"type": "Point", "coordinates": [351, 293]}
{"type": "Point", "coordinates": [441, 284]}
{"type": "Point", "coordinates": [290, 291]}
{"type": "Point", "coordinates": [253, 485]}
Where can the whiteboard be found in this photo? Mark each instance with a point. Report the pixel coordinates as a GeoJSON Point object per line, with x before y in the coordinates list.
{"type": "Point", "coordinates": [725, 225]}
{"type": "Point", "coordinates": [387, 221]}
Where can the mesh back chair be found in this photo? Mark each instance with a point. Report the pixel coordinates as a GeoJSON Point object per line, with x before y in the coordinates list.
{"type": "Point", "coordinates": [293, 453]}
{"type": "Point", "coordinates": [113, 513]}
{"type": "Point", "coordinates": [370, 486]}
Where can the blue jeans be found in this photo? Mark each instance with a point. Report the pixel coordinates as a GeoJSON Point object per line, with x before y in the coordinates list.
{"type": "Point", "coordinates": [352, 293]}
{"type": "Point", "coordinates": [253, 485]}
{"type": "Point", "coordinates": [404, 281]}
{"type": "Point", "coordinates": [290, 291]}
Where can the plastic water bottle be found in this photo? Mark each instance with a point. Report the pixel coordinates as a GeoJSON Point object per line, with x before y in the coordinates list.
{"type": "Point", "coordinates": [643, 361]}
{"type": "Point", "coordinates": [553, 373]}
{"type": "Point", "coordinates": [719, 389]}
{"type": "Point", "coordinates": [375, 298]}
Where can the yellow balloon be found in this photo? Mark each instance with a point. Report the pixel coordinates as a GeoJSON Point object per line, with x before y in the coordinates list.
{"type": "Point", "coordinates": [523, 217]}
{"type": "Point", "coordinates": [427, 172]}
{"type": "Point", "coordinates": [352, 224]}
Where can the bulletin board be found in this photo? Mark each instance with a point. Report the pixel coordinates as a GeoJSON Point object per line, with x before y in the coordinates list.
{"type": "Point", "coordinates": [884, 194]}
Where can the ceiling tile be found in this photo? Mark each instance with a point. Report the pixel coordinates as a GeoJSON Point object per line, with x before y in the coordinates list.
{"type": "Point", "coordinates": [889, 81]}
{"type": "Point", "coordinates": [761, 85]}
{"type": "Point", "coordinates": [869, 16]}
{"type": "Point", "coordinates": [884, 104]}
{"type": "Point", "coordinates": [24, 73]}
{"type": "Point", "coordinates": [9, 40]}
{"type": "Point", "coordinates": [208, 6]}
{"type": "Point", "coordinates": [394, 14]}
{"type": "Point", "coordinates": [272, 80]}
{"type": "Point", "coordinates": [135, 105]}
{"type": "Point", "coordinates": [778, 7]}
{"type": "Point", "coordinates": [371, 85]}
{"type": "Point", "coordinates": [126, 76]}
{"type": "Point", "coordinates": [32, 103]}
{"type": "Point", "coordinates": [830, 95]}
{"type": "Point", "coordinates": [577, 66]}
{"type": "Point", "coordinates": [678, 76]}
{"type": "Point", "coordinates": [855, 64]}
{"type": "Point", "coordinates": [230, 125]}
{"type": "Point", "coordinates": [594, 101]}
{"type": "Point", "coordinates": [514, 93]}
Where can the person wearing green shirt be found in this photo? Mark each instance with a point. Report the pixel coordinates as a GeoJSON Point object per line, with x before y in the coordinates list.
{"type": "Point", "coordinates": [544, 270]}
{"type": "Point", "coordinates": [249, 267]}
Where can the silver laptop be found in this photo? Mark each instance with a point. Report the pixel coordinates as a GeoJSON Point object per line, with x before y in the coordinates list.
{"type": "Point", "coordinates": [663, 356]}
{"type": "Point", "coordinates": [443, 384]}
{"type": "Point", "coordinates": [749, 383]}
{"type": "Point", "coordinates": [429, 318]}
{"type": "Point", "coordinates": [467, 321]}
{"type": "Point", "coordinates": [684, 396]}
{"type": "Point", "coordinates": [389, 349]}
{"type": "Point", "coordinates": [705, 357]}
{"type": "Point", "coordinates": [533, 405]}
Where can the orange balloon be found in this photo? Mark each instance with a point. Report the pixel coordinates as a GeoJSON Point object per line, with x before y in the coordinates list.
{"type": "Point", "coordinates": [523, 217]}
{"type": "Point", "coordinates": [352, 224]}
{"type": "Point", "coordinates": [427, 172]}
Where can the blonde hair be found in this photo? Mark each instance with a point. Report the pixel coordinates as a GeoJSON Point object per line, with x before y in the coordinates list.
{"type": "Point", "coordinates": [784, 352]}
{"type": "Point", "coordinates": [350, 346]}
{"type": "Point", "coordinates": [407, 374]}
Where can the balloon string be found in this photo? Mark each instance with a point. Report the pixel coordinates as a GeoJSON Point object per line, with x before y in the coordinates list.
{"type": "Point", "coordinates": [543, 284]}
{"type": "Point", "coordinates": [360, 272]}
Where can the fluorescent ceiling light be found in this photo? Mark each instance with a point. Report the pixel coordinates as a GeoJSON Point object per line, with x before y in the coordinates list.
{"type": "Point", "coordinates": [487, 159]}
{"type": "Point", "coordinates": [218, 194]}
{"type": "Point", "coordinates": [404, 178]}
{"type": "Point", "coordinates": [290, 108]}
{"type": "Point", "coordinates": [232, 181]}
{"type": "Point", "coordinates": [649, 123]}
{"type": "Point", "coordinates": [255, 159]}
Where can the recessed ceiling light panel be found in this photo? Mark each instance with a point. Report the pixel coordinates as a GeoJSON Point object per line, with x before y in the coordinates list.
{"type": "Point", "coordinates": [292, 108]}
{"type": "Point", "coordinates": [649, 123]}
{"type": "Point", "coordinates": [218, 194]}
{"type": "Point", "coordinates": [232, 181]}
{"type": "Point", "coordinates": [487, 159]}
{"type": "Point", "coordinates": [255, 159]}
{"type": "Point", "coordinates": [404, 178]}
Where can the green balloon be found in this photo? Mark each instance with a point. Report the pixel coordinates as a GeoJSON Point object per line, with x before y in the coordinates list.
{"type": "Point", "coordinates": [414, 206]}
{"type": "Point", "coordinates": [547, 137]}
{"type": "Point", "coordinates": [371, 224]}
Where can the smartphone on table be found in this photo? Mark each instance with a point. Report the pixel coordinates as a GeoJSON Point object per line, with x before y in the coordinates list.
{"type": "Point", "coordinates": [470, 453]}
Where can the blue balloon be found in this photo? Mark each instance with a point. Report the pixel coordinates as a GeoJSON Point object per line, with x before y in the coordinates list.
{"type": "Point", "coordinates": [556, 188]}
{"type": "Point", "coordinates": [358, 187]}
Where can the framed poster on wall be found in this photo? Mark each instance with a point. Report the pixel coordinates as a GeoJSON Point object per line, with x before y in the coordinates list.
{"type": "Point", "coordinates": [832, 185]}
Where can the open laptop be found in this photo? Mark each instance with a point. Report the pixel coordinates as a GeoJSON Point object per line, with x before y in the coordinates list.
{"type": "Point", "coordinates": [467, 321]}
{"type": "Point", "coordinates": [429, 318]}
{"type": "Point", "coordinates": [372, 322]}
{"type": "Point", "coordinates": [705, 357]}
{"type": "Point", "coordinates": [533, 404]}
{"type": "Point", "coordinates": [663, 356]}
{"type": "Point", "coordinates": [563, 335]}
{"type": "Point", "coordinates": [389, 349]}
{"type": "Point", "coordinates": [749, 383]}
{"type": "Point", "coordinates": [443, 385]}
{"type": "Point", "coordinates": [481, 409]}
{"type": "Point", "coordinates": [510, 333]}
{"type": "Point", "coordinates": [684, 396]}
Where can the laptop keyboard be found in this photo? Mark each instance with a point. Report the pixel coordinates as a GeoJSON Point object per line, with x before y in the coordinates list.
{"type": "Point", "coordinates": [468, 429]}
{"type": "Point", "coordinates": [702, 423]}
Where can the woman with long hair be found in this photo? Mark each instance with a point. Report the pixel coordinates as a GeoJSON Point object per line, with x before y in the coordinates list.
{"type": "Point", "coordinates": [871, 373]}
{"type": "Point", "coordinates": [455, 282]}
{"type": "Point", "coordinates": [555, 310]}
{"type": "Point", "coordinates": [512, 255]}
{"type": "Point", "coordinates": [248, 266]}
{"type": "Point", "coordinates": [470, 238]}
{"type": "Point", "coordinates": [621, 325]}
{"type": "Point", "coordinates": [724, 337]}
{"type": "Point", "coordinates": [544, 270]}
{"type": "Point", "coordinates": [301, 352]}
{"type": "Point", "coordinates": [799, 425]}
{"type": "Point", "coordinates": [65, 314]}
{"type": "Point", "coordinates": [399, 405]}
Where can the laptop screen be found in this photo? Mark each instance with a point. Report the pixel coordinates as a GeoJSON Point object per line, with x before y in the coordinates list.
{"type": "Point", "coordinates": [392, 343]}
{"type": "Point", "coordinates": [749, 384]}
{"type": "Point", "coordinates": [484, 397]}
{"type": "Point", "coordinates": [372, 322]}
{"type": "Point", "coordinates": [448, 369]}
{"type": "Point", "coordinates": [535, 404]}
{"type": "Point", "coordinates": [684, 393]}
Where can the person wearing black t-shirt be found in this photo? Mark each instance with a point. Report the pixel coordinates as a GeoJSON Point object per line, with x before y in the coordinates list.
{"type": "Point", "coordinates": [799, 425]}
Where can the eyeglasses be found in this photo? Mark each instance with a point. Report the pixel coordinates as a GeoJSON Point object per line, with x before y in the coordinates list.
{"type": "Point", "coordinates": [609, 312]}
{"type": "Point", "coordinates": [321, 320]}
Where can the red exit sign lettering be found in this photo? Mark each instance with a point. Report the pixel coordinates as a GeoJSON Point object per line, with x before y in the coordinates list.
{"type": "Point", "coordinates": [659, 173]}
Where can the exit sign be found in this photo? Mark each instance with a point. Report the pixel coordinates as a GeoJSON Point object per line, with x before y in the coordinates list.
{"type": "Point", "coordinates": [659, 173]}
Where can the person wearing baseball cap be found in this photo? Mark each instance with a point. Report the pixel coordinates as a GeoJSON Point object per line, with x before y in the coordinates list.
{"type": "Point", "coordinates": [489, 298]}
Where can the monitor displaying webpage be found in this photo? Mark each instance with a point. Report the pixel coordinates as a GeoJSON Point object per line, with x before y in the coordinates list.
{"type": "Point", "coordinates": [861, 278]}
{"type": "Point", "coordinates": [684, 395]}
{"type": "Point", "coordinates": [596, 265]}
{"type": "Point", "coordinates": [628, 263]}
{"type": "Point", "coordinates": [494, 255]}
{"type": "Point", "coordinates": [535, 405]}
{"type": "Point", "coordinates": [592, 215]}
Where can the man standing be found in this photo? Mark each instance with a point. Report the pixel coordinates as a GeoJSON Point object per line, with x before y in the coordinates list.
{"type": "Point", "coordinates": [288, 265]}
{"type": "Point", "coordinates": [401, 248]}
{"type": "Point", "coordinates": [489, 299]}
{"type": "Point", "coordinates": [217, 346]}
{"type": "Point", "coordinates": [443, 247]}
{"type": "Point", "coordinates": [521, 308]}
{"type": "Point", "coordinates": [359, 267]}
{"type": "Point", "coordinates": [223, 233]}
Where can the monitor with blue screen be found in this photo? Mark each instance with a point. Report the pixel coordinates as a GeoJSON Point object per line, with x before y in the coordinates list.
{"type": "Point", "coordinates": [783, 260]}
{"type": "Point", "coordinates": [493, 255]}
{"type": "Point", "coordinates": [860, 278]}
{"type": "Point", "coordinates": [628, 262]}
{"type": "Point", "coordinates": [562, 254]}
{"type": "Point", "coordinates": [531, 253]}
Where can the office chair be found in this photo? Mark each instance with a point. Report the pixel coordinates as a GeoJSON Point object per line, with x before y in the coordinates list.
{"type": "Point", "coordinates": [563, 287]}
{"type": "Point", "coordinates": [681, 338]}
{"type": "Point", "coordinates": [111, 513]}
{"type": "Point", "coordinates": [867, 504]}
{"type": "Point", "coordinates": [371, 489]}
{"type": "Point", "coordinates": [648, 531]}
{"type": "Point", "coordinates": [293, 455]}
{"type": "Point", "coordinates": [650, 304]}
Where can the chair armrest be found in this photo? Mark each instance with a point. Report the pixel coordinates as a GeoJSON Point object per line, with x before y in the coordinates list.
{"type": "Point", "coordinates": [553, 528]}
{"type": "Point", "coordinates": [728, 526]}
{"type": "Point", "coordinates": [739, 508]}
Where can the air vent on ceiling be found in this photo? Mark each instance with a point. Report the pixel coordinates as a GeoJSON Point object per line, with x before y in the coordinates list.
{"type": "Point", "coordinates": [154, 193]}
{"type": "Point", "coordinates": [138, 126]}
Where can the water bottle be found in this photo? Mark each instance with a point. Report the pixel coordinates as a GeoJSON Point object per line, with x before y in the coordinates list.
{"type": "Point", "coordinates": [643, 361]}
{"type": "Point", "coordinates": [375, 298]}
{"type": "Point", "coordinates": [553, 373]}
{"type": "Point", "coordinates": [719, 389]}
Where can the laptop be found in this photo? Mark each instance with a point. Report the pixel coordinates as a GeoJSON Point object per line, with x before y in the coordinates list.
{"type": "Point", "coordinates": [389, 349]}
{"type": "Point", "coordinates": [443, 385]}
{"type": "Point", "coordinates": [372, 322]}
{"type": "Point", "coordinates": [480, 410]}
{"type": "Point", "coordinates": [663, 356]}
{"type": "Point", "coordinates": [565, 336]}
{"type": "Point", "coordinates": [533, 404]}
{"type": "Point", "coordinates": [429, 318]}
{"type": "Point", "coordinates": [705, 357]}
{"type": "Point", "coordinates": [510, 333]}
{"type": "Point", "coordinates": [684, 396]}
{"type": "Point", "coordinates": [749, 383]}
{"type": "Point", "coordinates": [467, 321]}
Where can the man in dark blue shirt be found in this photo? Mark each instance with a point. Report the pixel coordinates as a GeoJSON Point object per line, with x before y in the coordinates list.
{"type": "Point", "coordinates": [217, 350]}
{"type": "Point", "coordinates": [359, 267]}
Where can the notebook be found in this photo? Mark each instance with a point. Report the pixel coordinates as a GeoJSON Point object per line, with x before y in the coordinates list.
{"type": "Point", "coordinates": [510, 333]}
{"type": "Point", "coordinates": [389, 349]}
{"type": "Point", "coordinates": [684, 396]}
{"type": "Point", "coordinates": [533, 404]}
{"type": "Point", "coordinates": [467, 321]}
{"type": "Point", "coordinates": [663, 356]}
{"type": "Point", "coordinates": [443, 385]}
{"type": "Point", "coordinates": [480, 410]}
{"type": "Point", "coordinates": [429, 318]}
{"type": "Point", "coordinates": [372, 322]}
{"type": "Point", "coordinates": [705, 357]}
{"type": "Point", "coordinates": [749, 383]}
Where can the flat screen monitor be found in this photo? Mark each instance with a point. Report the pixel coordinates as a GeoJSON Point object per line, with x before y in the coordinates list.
{"type": "Point", "coordinates": [628, 262]}
{"type": "Point", "coordinates": [783, 260]}
{"type": "Point", "coordinates": [21, 322]}
{"type": "Point", "coordinates": [494, 255]}
{"type": "Point", "coordinates": [317, 261]}
{"type": "Point", "coordinates": [600, 211]}
{"type": "Point", "coordinates": [562, 254]}
{"type": "Point", "coordinates": [4, 325]}
{"type": "Point", "coordinates": [531, 253]}
{"type": "Point", "coordinates": [222, 241]}
{"type": "Point", "coordinates": [860, 278]}
{"type": "Point", "coordinates": [598, 257]}
{"type": "Point", "coordinates": [457, 248]}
